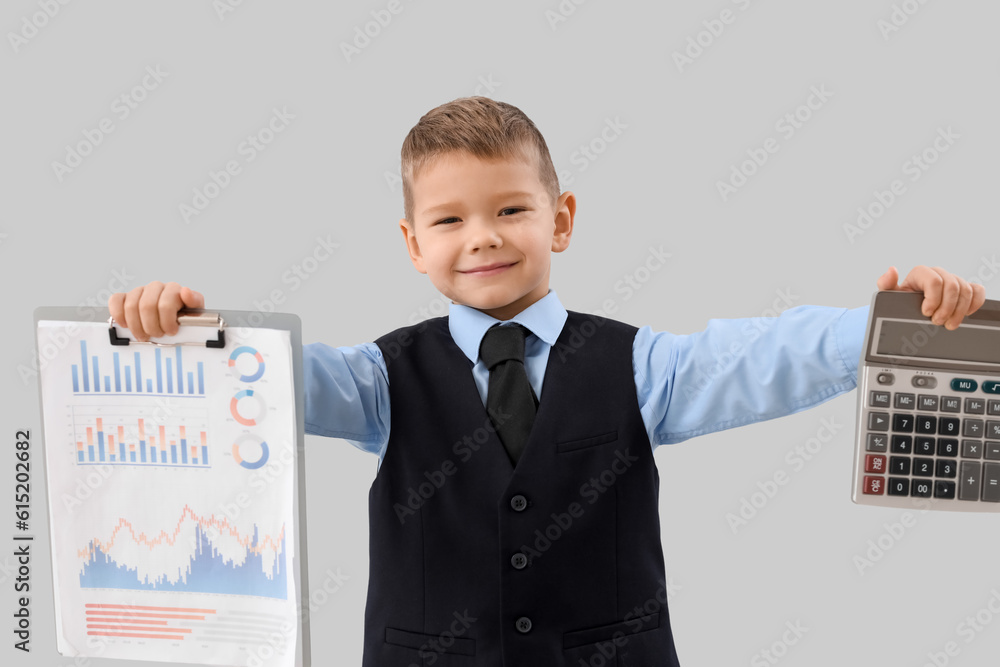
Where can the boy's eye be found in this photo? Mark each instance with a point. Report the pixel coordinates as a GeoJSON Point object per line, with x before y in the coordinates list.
{"type": "Point", "coordinates": [511, 208]}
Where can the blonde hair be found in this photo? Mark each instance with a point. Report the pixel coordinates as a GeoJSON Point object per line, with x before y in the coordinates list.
{"type": "Point", "coordinates": [479, 126]}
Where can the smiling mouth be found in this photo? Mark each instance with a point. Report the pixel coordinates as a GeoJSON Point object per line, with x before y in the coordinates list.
{"type": "Point", "coordinates": [489, 270]}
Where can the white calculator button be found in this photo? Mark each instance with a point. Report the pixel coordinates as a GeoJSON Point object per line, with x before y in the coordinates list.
{"type": "Point", "coordinates": [992, 451]}
{"type": "Point", "coordinates": [972, 428]}
{"type": "Point", "coordinates": [975, 406]}
{"type": "Point", "coordinates": [929, 402]}
{"type": "Point", "coordinates": [904, 401]}
{"type": "Point", "coordinates": [993, 429]}
{"type": "Point", "coordinates": [879, 399]}
{"type": "Point", "coordinates": [878, 421]}
{"type": "Point", "coordinates": [877, 442]}
{"type": "Point", "coordinates": [991, 482]}
{"type": "Point", "coordinates": [972, 449]}
{"type": "Point", "coordinates": [951, 404]}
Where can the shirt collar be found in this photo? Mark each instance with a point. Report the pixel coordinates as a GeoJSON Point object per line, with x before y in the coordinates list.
{"type": "Point", "coordinates": [544, 318]}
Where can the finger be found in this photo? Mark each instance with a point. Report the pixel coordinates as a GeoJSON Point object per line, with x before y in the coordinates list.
{"type": "Point", "coordinates": [191, 298]}
{"type": "Point", "coordinates": [168, 305]}
{"type": "Point", "coordinates": [927, 280]}
{"type": "Point", "coordinates": [132, 314]}
{"type": "Point", "coordinates": [149, 308]}
{"type": "Point", "coordinates": [116, 307]}
{"type": "Point", "coordinates": [978, 297]}
{"type": "Point", "coordinates": [887, 281]}
{"type": "Point", "coordinates": [962, 306]}
{"type": "Point", "coordinates": [949, 296]}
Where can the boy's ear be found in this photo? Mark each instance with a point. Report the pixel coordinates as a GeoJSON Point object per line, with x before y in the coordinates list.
{"type": "Point", "coordinates": [411, 245]}
{"type": "Point", "coordinates": [565, 209]}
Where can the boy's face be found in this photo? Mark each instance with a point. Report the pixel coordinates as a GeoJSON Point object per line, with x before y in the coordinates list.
{"type": "Point", "coordinates": [470, 214]}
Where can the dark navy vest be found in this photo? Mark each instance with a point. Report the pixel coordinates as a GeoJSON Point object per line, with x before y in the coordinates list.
{"type": "Point", "coordinates": [555, 562]}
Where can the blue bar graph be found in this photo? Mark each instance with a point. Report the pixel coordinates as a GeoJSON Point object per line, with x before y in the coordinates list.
{"type": "Point", "coordinates": [87, 373]}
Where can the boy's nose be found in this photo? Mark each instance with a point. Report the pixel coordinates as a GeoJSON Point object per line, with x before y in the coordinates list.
{"type": "Point", "coordinates": [483, 233]}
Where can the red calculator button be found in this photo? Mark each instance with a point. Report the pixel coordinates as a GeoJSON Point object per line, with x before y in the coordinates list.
{"type": "Point", "coordinates": [874, 485]}
{"type": "Point", "coordinates": [874, 463]}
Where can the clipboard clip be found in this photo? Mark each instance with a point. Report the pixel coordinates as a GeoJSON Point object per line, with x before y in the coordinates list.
{"type": "Point", "coordinates": [198, 317]}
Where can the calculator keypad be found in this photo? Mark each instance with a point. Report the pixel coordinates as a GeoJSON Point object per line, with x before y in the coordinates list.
{"type": "Point", "coordinates": [922, 444]}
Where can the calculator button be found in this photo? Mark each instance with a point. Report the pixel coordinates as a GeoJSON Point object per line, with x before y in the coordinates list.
{"type": "Point", "coordinates": [945, 468]}
{"type": "Point", "coordinates": [923, 446]}
{"type": "Point", "coordinates": [874, 485]}
{"type": "Point", "coordinates": [926, 424]}
{"type": "Point", "coordinates": [904, 401]}
{"type": "Point", "coordinates": [902, 421]}
{"type": "Point", "coordinates": [924, 381]}
{"type": "Point", "coordinates": [899, 465]}
{"type": "Point", "coordinates": [923, 467]}
{"type": "Point", "coordinates": [993, 408]}
{"type": "Point", "coordinates": [972, 449]}
{"type": "Point", "coordinates": [963, 384]}
{"type": "Point", "coordinates": [878, 421]}
{"type": "Point", "coordinates": [899, 486]}
{"type": "Point", "coordinates": [929, 402]}
{"type": "Point", "coordinates": [971, 480]}
{"type": "Point", "coordinates": [874, 463]}
{"type": "Point", "coordinates": [951, 404]}
{"type": "Point", "coordinates": [992, 451]}
{"type": "Point", "coordinates": [948, 425]}
{"type": "Point", "coordinates": [885, 378]}
{"type": "Point", "coordinates": [947, 447]}
{"type": "Point", "coordinates": [879, 399]}
{"type": "Point", "coordinates": [991, 482]}
{"type": "Point", "coordinates": [992, 429]}
{"type": "Point", "coordinates": [921, 488]}
{"type": "Point", "coordinates": [877, 442]}
{"type": "Point", "coordinates": [975, 406]}
{"type": "Point", "coordinates": [944, 489]}
{"type": "Point", "coordinates": [991, 386]}
{"type": "Point", "coordinates": [973, 428]}
{"type": "Point", "coordinates": [902, 444]}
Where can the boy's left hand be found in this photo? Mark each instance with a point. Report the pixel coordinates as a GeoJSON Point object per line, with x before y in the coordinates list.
{"type": "Point", "coordinates": [947, 298]}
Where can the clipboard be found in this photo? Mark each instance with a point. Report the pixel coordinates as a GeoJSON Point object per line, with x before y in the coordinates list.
{"type": "Point", "coordinates": [241, 596]}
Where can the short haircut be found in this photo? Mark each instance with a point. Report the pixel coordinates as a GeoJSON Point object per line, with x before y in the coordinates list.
{"type": "Point", "coordinates": [479, 126]}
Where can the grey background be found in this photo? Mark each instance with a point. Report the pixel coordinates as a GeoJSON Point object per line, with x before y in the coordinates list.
{"type": "Point", "coordinates": [329, 175]}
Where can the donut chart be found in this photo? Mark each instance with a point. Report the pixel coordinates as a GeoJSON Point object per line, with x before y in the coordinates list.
{"type": "Point", "coordinates": [246, 349]}
{"type": "Point", "coordinates": [248, 438]}
{"type": "Point", "coordinates": [248, 397]}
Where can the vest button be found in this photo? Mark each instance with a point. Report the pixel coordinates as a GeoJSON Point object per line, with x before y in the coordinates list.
{"type": "Point", "coordinates": [523, 624]}
{"type": "Point", "coordinates": [519, 560]}
{"type": "Point", "coordinates": [519, 502]}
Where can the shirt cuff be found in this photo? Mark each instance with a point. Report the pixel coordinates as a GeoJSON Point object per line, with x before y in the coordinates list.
{"type": "Point", "coordinates": [851, 337]}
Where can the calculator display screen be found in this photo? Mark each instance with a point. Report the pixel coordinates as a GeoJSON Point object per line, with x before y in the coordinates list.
{"type": "Point", "coordinates": [920, 339]}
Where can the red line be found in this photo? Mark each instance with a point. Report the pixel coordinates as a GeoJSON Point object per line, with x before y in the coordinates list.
{"type": "Point", "coordinates": [133, 634]}
{"type": "Point", "coordinates": [126, 627]}
{"type": "Point", "coordinates": [139, 615]}
{"type": "Point", "coordinates": [133, 606]}
{"type": "Point", "coordinates": [110, 619]}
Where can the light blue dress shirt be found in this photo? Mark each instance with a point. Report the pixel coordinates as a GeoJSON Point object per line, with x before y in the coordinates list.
{"type": "Point", "coordinates": [734, 372]}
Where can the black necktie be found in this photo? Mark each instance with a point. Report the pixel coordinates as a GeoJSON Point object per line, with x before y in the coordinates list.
{"type": "Point", "coordinates": [510, 400]}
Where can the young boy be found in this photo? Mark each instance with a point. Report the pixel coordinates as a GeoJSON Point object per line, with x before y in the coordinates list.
{"type": "Point", "coordinates": [514, 512]}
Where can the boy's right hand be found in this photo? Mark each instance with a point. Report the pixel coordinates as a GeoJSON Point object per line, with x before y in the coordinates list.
{"type": "Point", "coordinates": [150, 311]}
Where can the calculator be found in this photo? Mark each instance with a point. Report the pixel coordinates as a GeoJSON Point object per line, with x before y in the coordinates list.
{"type": "Point", "coordinates": [928, 418]}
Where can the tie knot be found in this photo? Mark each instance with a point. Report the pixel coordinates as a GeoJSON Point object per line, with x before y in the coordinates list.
{"type": "Point", "coordinates": [502, 343]}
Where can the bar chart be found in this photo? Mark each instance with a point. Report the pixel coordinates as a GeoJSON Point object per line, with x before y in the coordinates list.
{"type": "Point", "coordinates": [143, 436]}
{"type": "Point", "coordinates": [146, 373]}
